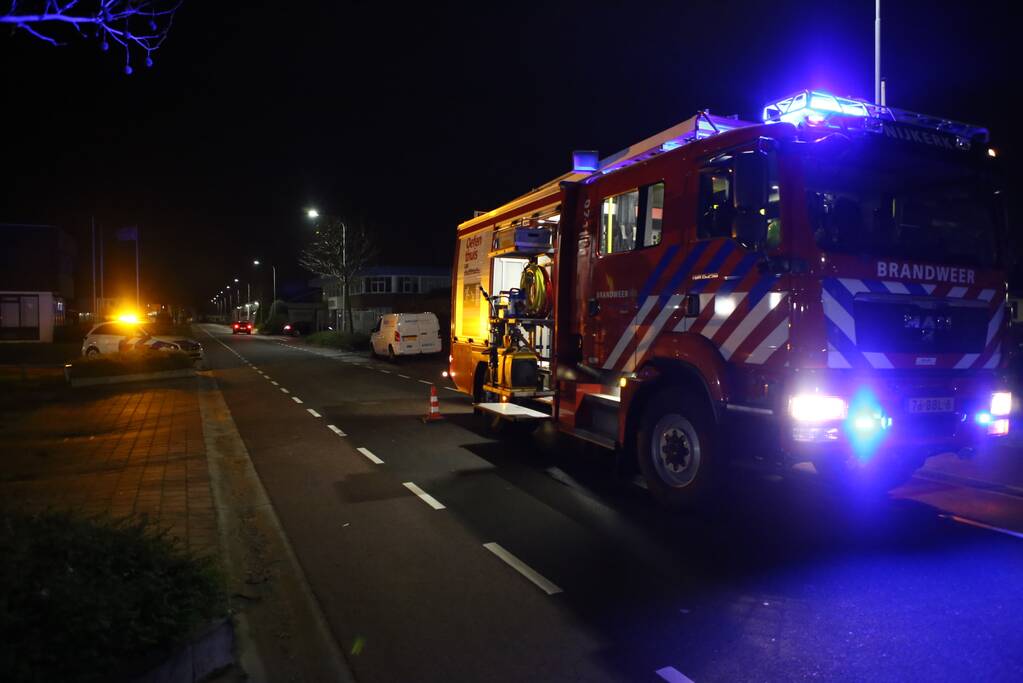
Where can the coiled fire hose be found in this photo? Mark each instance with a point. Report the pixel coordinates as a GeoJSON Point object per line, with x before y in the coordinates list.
{"type": "Point", "coordinates": [536, 284]}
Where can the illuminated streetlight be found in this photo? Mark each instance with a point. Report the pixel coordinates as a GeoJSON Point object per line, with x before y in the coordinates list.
{"type": "Point", "coordinates": [312, 213]}
{"type": "Point", "coordinates": [256, 262]}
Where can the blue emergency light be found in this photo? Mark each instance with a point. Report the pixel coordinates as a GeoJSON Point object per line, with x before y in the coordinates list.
{"type": "Point", "coordinates": [817, 108]}
{"type": "Point", "coordinates": [813, 107]}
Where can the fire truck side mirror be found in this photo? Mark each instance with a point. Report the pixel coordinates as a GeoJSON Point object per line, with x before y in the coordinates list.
{"type": "Point", "coordinates": [750, 198]}
{"type": "Point", "coordinates": [750, 193]}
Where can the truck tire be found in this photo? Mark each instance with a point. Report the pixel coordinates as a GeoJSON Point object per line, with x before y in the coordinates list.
{"type": "Point", "coordinates": [677, 449]}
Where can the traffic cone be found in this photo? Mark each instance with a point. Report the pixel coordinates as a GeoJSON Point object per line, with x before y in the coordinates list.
{"type": "Point", "coordinates": [434, 414]}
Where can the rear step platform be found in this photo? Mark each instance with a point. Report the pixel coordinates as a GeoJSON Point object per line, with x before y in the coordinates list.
{"type": "Point", "coordinates": [513, 411]}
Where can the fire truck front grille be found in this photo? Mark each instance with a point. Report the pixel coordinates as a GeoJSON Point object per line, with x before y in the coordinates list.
{"type": "Point", "coordinates": [920, 327]}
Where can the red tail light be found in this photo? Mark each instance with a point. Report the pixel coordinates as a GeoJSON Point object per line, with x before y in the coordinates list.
{"type": "Point", "coordinates": [236, 326]}
{"type": "Point", "coordinates": [397, 336]}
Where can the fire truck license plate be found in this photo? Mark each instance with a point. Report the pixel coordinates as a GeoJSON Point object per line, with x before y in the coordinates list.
{"type": "Point", "coordinates": [931, 405]}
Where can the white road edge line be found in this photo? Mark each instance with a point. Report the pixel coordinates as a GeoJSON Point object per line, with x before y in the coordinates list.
{"type": "Point", "coordinates": [335, 429]}
{"type": "Point", "coordinates": [425, 382]}
{"type": "Point", "coordinates": [423, 495]}
{"type": "Point", "coordinates": [982, 525]}
{"type": "Point", "coordinates": [296, 399]}
{"type": "Point", "coordinates": [369, 454]}
{"type": "Point", "coordinates": [313, 412]}
{"type": "Point", "coordinates": [449, 388]}
{"type": "Point", "coordinates": [673, 675]}
{"type": "Point", "coordinates": [285, 390]}
{"type": "Point", "coordinates": [522, 568]}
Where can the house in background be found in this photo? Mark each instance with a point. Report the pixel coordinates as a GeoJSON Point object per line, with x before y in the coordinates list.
{"type": "Point", "coordinates": [36, 281]}
{"type": "Point", "coordinates": [390, 289]}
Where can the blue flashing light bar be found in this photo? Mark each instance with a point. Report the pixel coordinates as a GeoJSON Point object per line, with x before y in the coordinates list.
{"type": "Point", "coordinates": [817, 108]}
{"type": "Point", "coordinates": [814, 107]}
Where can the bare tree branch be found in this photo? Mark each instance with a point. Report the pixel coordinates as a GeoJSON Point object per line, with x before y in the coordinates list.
{"type": "Point", "coordinates": [339, 251]}
{"type": "Point", "coordinates": [136, 25]}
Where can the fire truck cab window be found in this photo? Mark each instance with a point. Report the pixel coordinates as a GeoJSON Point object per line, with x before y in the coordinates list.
{"type": "Point", "coordinates": [717, 212]}
{"type": "Point", "coordinates": [716, 207]}
{"type": "Point", "coordinates": [632, 219]}
{"type": "Point", "coordinates": [618, 219]}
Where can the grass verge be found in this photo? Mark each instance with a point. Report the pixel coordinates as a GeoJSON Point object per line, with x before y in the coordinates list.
{"type": "Point", "coordinates": [81, 598]}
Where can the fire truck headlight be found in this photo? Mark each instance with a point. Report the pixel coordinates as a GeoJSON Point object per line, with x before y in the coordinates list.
{"type": "Point", "coordinates": [1001, 403]}
{"type": "Point", "coordinates": [817, 408]}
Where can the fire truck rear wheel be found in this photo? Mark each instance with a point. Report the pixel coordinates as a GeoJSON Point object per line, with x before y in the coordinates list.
{"type": "Point", "coordinates": [677, 450]}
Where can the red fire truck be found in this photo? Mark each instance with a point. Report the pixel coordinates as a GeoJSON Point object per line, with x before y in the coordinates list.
{"type": "Point", "coordinates": [825, 286]}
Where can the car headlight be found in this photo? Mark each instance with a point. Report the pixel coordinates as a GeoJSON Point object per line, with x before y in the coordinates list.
{"type": "Point", "coordinates": [817, 408]}
{"type": "Point", "coordinates": [1001, 403]}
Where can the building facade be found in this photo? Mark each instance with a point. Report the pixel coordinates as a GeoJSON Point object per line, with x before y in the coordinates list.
{"type": "Point", "coordinates": [36, 281]}
{"type": "Point", "coordinates": [390, 289]}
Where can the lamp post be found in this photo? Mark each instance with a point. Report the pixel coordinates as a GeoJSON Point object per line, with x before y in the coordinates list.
{"type": "Point", "coordinates": [313, 214]}
{"type": "Point", "coordinates": [273, 270]}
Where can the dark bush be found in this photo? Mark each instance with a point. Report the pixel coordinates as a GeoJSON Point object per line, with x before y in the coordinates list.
{"type": "Point", "coordinates": [130, 363]}
{"type": "Point", "coordinates": [81, 598]}
{"type": "Point", "coordinates": [347, 341]}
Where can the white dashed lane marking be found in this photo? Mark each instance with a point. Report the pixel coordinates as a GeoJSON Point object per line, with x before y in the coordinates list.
{"type": "Point", "coordinates": [296, 399]}
{"type": "Point", "coordinates": [336, 430]}
{"type": "Point", "coordinates": [673, 675]}
{"type": "Point", "coordinates": [404, 376]}
{"type": "Point", "coordinates": [982, 525]}
{"type": "Point", "coordinates": [369, 454]}
{"type": "Point", "coordinates": [425, 382]}
{"type": "Point", "coordinates": [423, 495]}
{"type": "Point", "coordinates": [522, 568]}
{"type": "Point", "coordinates": [313, 412]}
{"type": "Point", "coordinates": [285, 390]}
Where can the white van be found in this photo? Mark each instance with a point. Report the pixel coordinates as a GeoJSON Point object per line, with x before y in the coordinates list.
{"type": "Point", "coordinates": [405, 334]}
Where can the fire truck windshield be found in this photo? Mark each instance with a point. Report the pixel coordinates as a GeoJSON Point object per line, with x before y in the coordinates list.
{"type": "Point", "coordinates": [878, 198]}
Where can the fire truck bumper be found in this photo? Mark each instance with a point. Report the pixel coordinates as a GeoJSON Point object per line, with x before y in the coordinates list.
{"type": "Point", "coordinates": [901, 416]}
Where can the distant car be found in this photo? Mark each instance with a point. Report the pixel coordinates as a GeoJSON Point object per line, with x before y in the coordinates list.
{"type": "Point", "coordinates": [117, 336]}
{"type": "Point", "coordinates": [241, 327]}
{"type": "Point", "coordinates": [405, 334]}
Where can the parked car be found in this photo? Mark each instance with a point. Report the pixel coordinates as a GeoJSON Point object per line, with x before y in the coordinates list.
{"type": "Point", "coordinates": [118, 336]}
{"type": "Point", "coordinates": [405, 334]}
{"type": "Point", "coordinates": [241, 327]}
{"type": "Point", "coordinates": [297, 328]}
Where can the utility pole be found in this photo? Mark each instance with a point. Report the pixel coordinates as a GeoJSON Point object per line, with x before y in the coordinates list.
{"type": "Point", "coordinates": [95, 312]}
{"type": "Point", "coordinates": [102, 293]}
{"type": "Point", "coordinates": [878, 92]}
{"type": "Point", "coordinates": [138, 267]}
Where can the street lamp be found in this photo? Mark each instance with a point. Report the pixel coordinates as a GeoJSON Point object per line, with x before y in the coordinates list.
{"type": "Point", "coordinates": [312, 213]}
{"type": "Point", "coordinates": [273, 269]}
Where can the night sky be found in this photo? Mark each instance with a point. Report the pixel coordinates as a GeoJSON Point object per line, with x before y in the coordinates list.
{"type": "Point", "coordinates": [410, 117]}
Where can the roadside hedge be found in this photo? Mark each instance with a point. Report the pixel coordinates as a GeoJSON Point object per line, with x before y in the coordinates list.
{"type": "Point", "coordinates": [130, 363]}
{"type": "Point", "coordinates": [346, 341]}
{"type": "Point", "coordinates": [83, 598]}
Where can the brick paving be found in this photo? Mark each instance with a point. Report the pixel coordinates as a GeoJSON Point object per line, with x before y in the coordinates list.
{"type": "Point", "coordinates": [131, 449]}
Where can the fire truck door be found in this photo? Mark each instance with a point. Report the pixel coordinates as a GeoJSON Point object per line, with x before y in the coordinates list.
{"type": "Point", "coordinates": [627, 230]}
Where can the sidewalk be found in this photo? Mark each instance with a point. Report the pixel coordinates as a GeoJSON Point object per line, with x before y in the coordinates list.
{"type": "Point", "coordinates": [119, 450]}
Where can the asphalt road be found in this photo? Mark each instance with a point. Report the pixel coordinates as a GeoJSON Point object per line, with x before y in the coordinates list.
{"type": "Point", "coordinates": [394, 522]}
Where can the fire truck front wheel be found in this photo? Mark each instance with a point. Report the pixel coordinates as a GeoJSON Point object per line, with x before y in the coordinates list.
{"type": "Point", "coordinates": [677, 449]}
